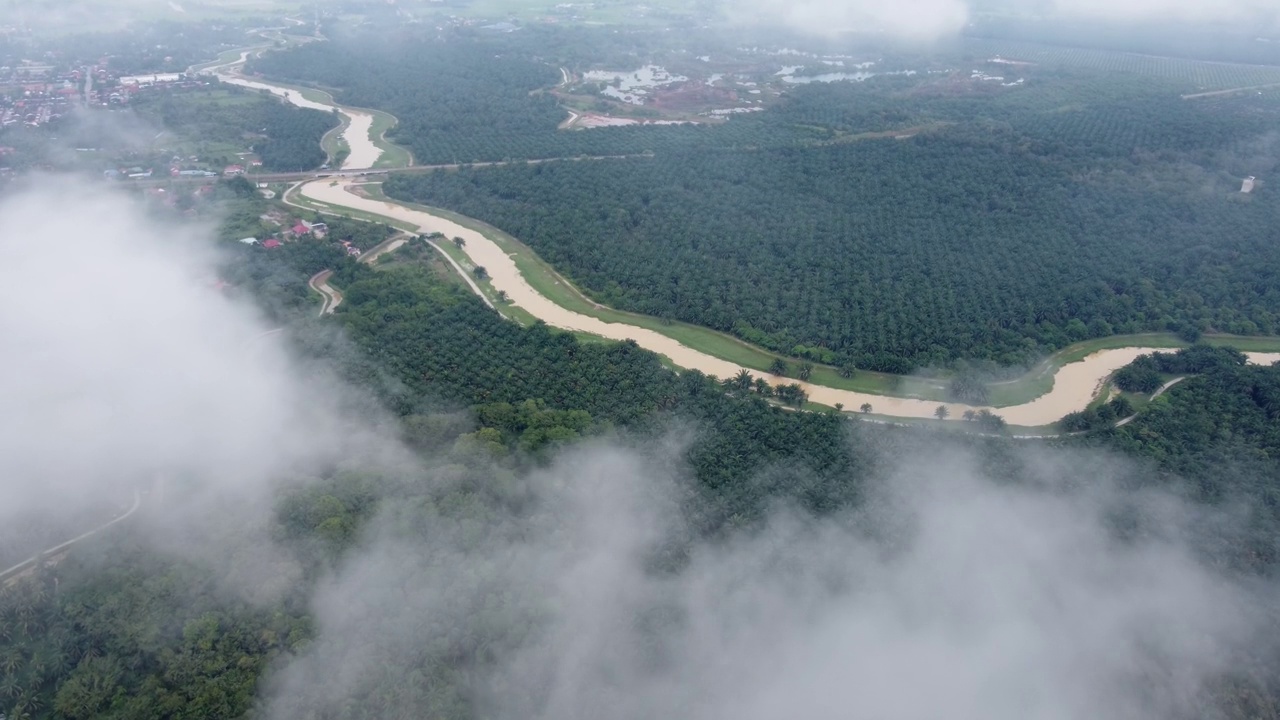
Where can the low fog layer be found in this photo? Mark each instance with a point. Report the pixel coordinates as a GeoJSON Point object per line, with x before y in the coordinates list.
{"type": "Point", "coordinates": [931, 19]}
{"type": "Point", "coordinates": [579, 592]}
{"type": "Point", "coordinates": [125, 368]}
{"type": "Point", "coordinates": [946, 595]}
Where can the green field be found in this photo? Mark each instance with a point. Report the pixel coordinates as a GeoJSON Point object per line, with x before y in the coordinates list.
{"type": "Point", "coordinates": [393, 156]}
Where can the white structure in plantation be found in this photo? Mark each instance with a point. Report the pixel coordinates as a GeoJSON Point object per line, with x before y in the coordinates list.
{"type": "Point", "coordinates": [150, 79]}
{"type": "Point", "coordinates": [632, 86]}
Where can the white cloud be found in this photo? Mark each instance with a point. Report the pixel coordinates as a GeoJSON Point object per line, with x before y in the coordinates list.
{"type": "Point", "coordinates": [911, 19]}
{"type": "Point", "coordinates": [123, 364]}
{"type": "Point", "coordinates": [932, 19]}
{"type": "Point", "coordinates": [1266, 12]}
{"type": "Point", "coordinates": [946, 595]}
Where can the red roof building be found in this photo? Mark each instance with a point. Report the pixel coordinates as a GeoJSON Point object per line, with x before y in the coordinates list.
{"type": "Point", "coordinates": [301, 229]}
{"type": "Point", "coordinates": [272, 243]}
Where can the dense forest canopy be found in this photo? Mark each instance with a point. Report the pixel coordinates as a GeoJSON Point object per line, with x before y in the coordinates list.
{"type": "Point", "coordinates": [967, 243]}
{"type": "Point", "coordinates": [483, 96]}
{"type": "Point", "coordinates": [1001, 223]}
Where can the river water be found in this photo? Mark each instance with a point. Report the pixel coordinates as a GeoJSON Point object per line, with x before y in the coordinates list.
{"type": "Point", "coordinates": [359, 124]}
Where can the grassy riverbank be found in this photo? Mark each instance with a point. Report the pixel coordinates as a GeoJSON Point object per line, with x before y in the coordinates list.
{"type": "Point", "coordinates": [1039, 380]}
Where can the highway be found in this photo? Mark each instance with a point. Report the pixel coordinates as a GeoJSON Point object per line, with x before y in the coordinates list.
{"type": "Point", "coordinates": [370, 173]}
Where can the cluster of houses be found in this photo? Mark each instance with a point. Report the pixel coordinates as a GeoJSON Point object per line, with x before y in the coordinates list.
{"type": "Point", "coordinates": [35, 92]}
{"type": "Point", "coordinates": [299, 230]}
{"type": "Point", "coordinates": [35, 104]}
{"type": "Point", "coordinates": [180, 167]}
{"type": "Point", "coordinates": [248, 163]}
{"type": "Point", "coordinates": [187, 167]}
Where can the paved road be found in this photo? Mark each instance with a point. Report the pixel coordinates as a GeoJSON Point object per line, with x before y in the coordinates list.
{"type": "Point", "coordinates": [291, 177]}
{"type": "Point", "coordinates": [13, 574]}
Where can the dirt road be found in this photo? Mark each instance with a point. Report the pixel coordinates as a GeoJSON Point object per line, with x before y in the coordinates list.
{"type": "Point", "coordinates": [332, 298]}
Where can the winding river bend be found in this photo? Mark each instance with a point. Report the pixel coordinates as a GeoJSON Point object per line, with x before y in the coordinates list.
{"type": "Point", "coordinates": [357, 124]}
{"type": "Point", "coordinates": [1075, 384]}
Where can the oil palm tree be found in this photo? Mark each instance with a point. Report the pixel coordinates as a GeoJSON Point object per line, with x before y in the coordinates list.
{"type": "Point", "coordinates": [806, 370]}
{"type": "Point", "coordinates": [10, 687]}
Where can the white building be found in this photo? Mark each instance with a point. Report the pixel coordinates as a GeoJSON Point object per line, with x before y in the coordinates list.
{"type": "Point", "coordinates": [150, 79]}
